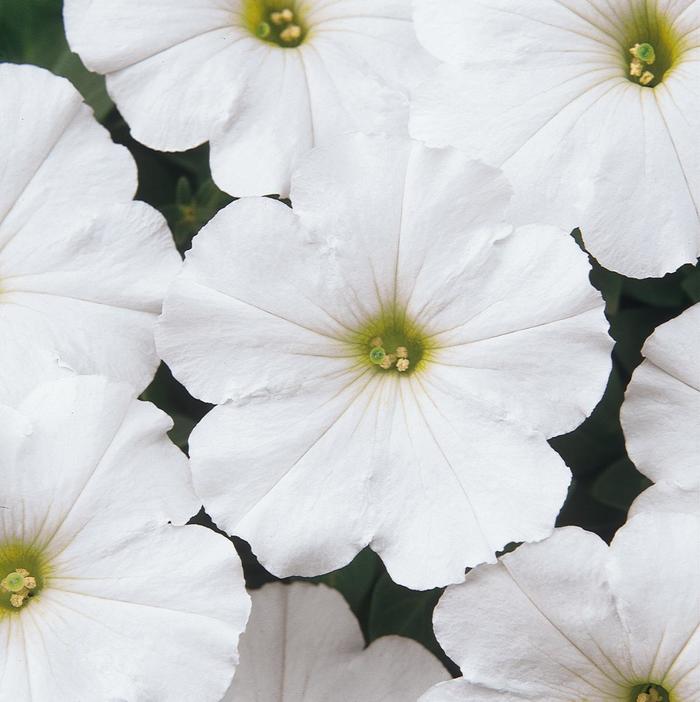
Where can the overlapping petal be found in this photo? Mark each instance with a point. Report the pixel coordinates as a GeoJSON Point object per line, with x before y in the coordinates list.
{"type": "Point", "coordinates": [303, 644]}
{"type": "Point", "coordinates": [83, 270]}
{"type": "Point", "coordinates": [660, 413]}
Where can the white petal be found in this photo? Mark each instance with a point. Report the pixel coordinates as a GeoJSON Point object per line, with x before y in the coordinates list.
{"type": "Point", "coordinates": [156, 618]}
{"type": "Point", "coordinates": [89, 298]}
{"type": "Point", "coordinates": [582, 145]}
{"type": "Point", "coordinates": [291, 473]}
{"type": "Point", "coordinates": [541, 623]}
{"type": "Point", "coordinates": [303, 644]}
{"type": "Point", "coordinates": [53, 153]}
{"type": "Point", "coordinates": [667, 498]}
{"type": "Point", "coordinates": [253, 311]}
{"type": "Point", "coordinates": [494, 479]}
{"type": "Point", "coordinates": [91, 452]}
{"type": "Point", "coordinates": [654, 572]}
{"type": "Point", "coordinates": [662, 403]}
{"type": "Point", "coordinates": [131, 607]}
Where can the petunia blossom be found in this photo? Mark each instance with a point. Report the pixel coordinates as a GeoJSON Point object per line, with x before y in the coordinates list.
{"type": "Point", "coordinates": [573, 619]}
{"type": "Point", "coordinates": [662, 403]}
{"type": "Point", "coordinates": [263, 80]}
{"type": "Point", "coordinates": [101, 597]}
{"type": "Point", "coordinates": [591, 107]}
{"type": "Point", "coordinates": [83, 269]}
{"type": "Point", "coordinates": [303, 644]}
{"type": "Point", "coordinates": [392, 356]}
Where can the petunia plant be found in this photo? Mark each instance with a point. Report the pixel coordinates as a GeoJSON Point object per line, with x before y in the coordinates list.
{"type": "Point", "coordinates": [425, 384]}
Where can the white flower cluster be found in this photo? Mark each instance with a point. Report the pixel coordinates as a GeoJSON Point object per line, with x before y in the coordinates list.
{"type": "Point", "coordinates": [388, 356]}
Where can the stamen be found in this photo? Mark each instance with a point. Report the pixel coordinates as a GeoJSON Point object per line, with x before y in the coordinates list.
{"type": "Point", "coordinates": [402, 352]}
{"type": "Point", "coordinates": [377, 341]}
{"type": "Point", "coordinates": [276, 18]}
{"type": "Point", "coordinates": [636, 67]}
{"type": "Point", "coordinates": [290, 33]}
{"type": "Point", "coordinates": [388, 361]}
{"type": "Point", "coordinates": [287, 15]}
{"type": "Point", "coordinates": [646, 78]}
{"type": "Point", "coordinates": [402, 365]}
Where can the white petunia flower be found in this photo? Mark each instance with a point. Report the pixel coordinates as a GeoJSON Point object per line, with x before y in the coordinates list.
{"type": "Point", "coordinates": [591, 107]}
{"type": "Point", "coordinates": [83, 269]}
{"type": "Point", "coordinates": [263, 80]}
{"type": "Point", "coordinates": [101, 598]}
{"type": "Point", "coordinates": [303, 644]}
{"type": "Point", "coordinates": [302, 321]}
{"type": "Point", "coordinates": [662, 403]}
{"type": "Point", "coordinates": [571, 619]}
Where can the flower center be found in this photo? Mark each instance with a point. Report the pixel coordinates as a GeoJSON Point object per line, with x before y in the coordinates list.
{"type": "Point", "coordinates": [23, 572]}
{"type": "Point", "coordinates": [650, 45]}
{"type": "Point", "coordinates": [649, 692]}
{"type": "Point", "coordinates": [19, 584]}
{"type": "Point", "coordinates": [275, 21]}
{"type": "Point", "coordinates": [393, 346]}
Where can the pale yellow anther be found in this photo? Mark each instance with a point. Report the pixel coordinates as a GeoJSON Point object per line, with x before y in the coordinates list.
{"type": "Point", "coordinates": [636, 67]}
{"type": "Point", "coordinates": [402, 365]}
{"type": "Point", "coordinates": [29, 582]}
{"type": "Point", "coordinates": [17, 600]}
{"type": "Point", "coordinates": [645, 79]}
{"type": "Point", "coordinates": [290, 33]}
{"type": "Point", "coordinates": [388, 361]}
{"type": "Point", "coordinates": [402, 352]}
{"type": "Point", "coordinates": [276, 18]}
{"type": "Point", "coordinates": [377, 341]}
{"type": "Point", "coordinates": [287, 15]}
{"type": "Point", "coordinates": [643, 697]}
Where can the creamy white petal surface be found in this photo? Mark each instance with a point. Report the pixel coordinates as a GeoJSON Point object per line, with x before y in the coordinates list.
{"type": "Point", "coordinates": [83, 269]}
{"type": "Point", "coordinates": [186, 71]}
{"type": "Point", "coordinates": [543, 89]}
{"type": "Point", "coordinates": [667, 498]}
{"type": "Point", "coordinates": [316, 452]}
{"type": "Point", "coordinates": [573, 619]}
{"type": "Point", "coordinates": [303, 644]}
{"type": "Point", "coordinates": [662, 403]}
{"type": "Point", "coordinates": [127, 606]}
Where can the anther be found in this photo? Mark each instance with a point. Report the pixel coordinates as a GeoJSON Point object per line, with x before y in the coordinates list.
{"type": "Point", "coordinates": [402, 365]}
{"type": "Point", "coordinates": [401, 352]}
{"type": "Point", "coordinates": [276, 18]}
{"type": "Point", "coordinates": [377, 341]}
{"type": "Point", "coordinates": [646, 78]}
{"type": "Point", "coordinates": [388, 361]}
{"type": "Point", "coordinates": [290, 33]}
{"type": "Point", "coordinates": [636, 67]}
{"type": "Point", "coordinates": [287, 15]}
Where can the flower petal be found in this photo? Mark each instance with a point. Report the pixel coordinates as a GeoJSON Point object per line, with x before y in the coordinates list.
{"type": "Point", "coordinates": [662, 403]}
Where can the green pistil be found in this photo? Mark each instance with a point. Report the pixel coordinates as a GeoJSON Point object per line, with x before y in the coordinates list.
{"type": "Point", "coordinates": [645, 53]}
{"type": "Point", "coordinates": [377, 355]}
